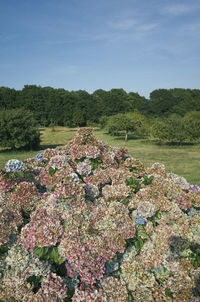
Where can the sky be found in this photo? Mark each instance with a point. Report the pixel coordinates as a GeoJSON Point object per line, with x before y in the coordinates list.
{"type": "Point", "coordinates": [137, 45]}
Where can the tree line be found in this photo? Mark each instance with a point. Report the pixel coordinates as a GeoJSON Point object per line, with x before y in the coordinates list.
{"type": "Point", "coordinates": [80, 108]}
{"type": "Point", "coordinates": [171, 116]}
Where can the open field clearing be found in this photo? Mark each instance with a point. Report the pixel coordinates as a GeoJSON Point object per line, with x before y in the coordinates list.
{"type": "Point", "coordinates": [182, 160]}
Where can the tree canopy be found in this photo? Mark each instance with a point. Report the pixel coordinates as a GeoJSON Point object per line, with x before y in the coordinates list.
{"type": "Point", "coordinates": [80, 108]}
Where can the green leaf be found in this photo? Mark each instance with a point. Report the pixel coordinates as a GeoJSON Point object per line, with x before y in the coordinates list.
{"type": "Point", "coordinates": [137, 245]}
{"type": "Point", "coordinates": [7, 176]}
{"type": "Point", "coordinates": [168, 292]}
{"type": "Point", "coordinates": [55, 256]}
{"type": "Point", "coordinates": [140, 227]}
{"type": "Point", "coordinates": [80, 160]}
{"type": "Point", "coordinates": [133, 183]}
{"type": "Point", "coordinates": [52, 171]}
{"type": "Point", "coordinates": [95, 163]}
{"type": "Point", "coordinates": [147, 180]}
{"type": "Point", "coordinates": [3, 250]}
{"type": "Point", "coordinates": [195, 264]}
{"type": "Point", "coordinates": [134, 219]}
{"type": "Point", "coordinates": [132, 169]}
{"type": "Point", "coordinates": [19, 174]}
{"type": "Point", "coordinates": [144, 235]}
{"type": "Point", "coordinates": [38, 251]}
{"type": "Point", "coordinates": [158, 215]}
{"type": "Point", "coordinates": [140, 241]}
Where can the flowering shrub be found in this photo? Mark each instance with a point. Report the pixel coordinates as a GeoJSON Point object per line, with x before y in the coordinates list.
{"type": "Point", "coordinates": [86, 222]}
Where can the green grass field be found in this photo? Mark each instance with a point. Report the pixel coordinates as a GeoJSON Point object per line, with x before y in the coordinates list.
{"type": "Point", "coordinates": [182, 160]}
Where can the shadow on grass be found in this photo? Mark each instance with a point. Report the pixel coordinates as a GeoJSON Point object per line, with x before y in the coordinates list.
{"type": "Point", "coordinates": [121, 137]}
{"type": "Point", "coordinates": [41, 147]}
{"type": "Point", "coordinates": [73, 129]}
{"type": "Point", "coordinates": [159, 143]}
{"type": "Point", "coordinates": [146, 140]}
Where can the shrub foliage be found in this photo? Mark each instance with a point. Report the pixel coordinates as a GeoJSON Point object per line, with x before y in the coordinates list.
{"type": "Point", "coordinates": [18, 130]}
{"type": "Point", "coordinates": [176, 130]}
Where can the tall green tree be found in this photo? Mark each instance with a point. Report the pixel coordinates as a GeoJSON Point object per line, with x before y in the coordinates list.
{"type": "Point", "coordinates": [162, 102]}
{"type": "Point", "coordinates": [139, 103]}
{"type": "Point", "coordinates": [7, 98]}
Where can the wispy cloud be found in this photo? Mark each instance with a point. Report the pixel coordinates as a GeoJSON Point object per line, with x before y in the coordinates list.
{"type": "Point", "coordinates": [132, 25]}
{"type": "Point", "coordinates": [127, 29]}
{"type": "Point", "coordinates": [124, 30]}
{"type": "Point", "coordinates": [180, 9]}
{"type": "Point", "coordinates": [190, 29]}
{"type": "Point", "coordinates": [147, 27]}
{"type": "Point", "coordinates": [123, 24]}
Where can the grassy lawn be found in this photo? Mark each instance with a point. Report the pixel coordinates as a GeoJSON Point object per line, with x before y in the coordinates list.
{"type": "Point", "coordinates": [182, 160]}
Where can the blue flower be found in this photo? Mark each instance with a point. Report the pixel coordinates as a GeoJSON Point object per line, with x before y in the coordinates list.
{"type": "Point", "coordinates": [14, 165]}
{"type": "Point", "coordinates": [140, 221]}
{"type": "Point", "coordinates": [39, 156]}
{"type": "Point", "coordinates": [194, 188]}
{"type": "Point", "coordinates": [75, 177]}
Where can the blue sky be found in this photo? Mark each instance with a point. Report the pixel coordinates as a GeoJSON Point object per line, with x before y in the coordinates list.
{"type": "Point", "coordinates": [137, 45]}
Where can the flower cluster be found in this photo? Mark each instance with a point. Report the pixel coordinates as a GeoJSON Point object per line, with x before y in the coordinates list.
{"type": "Point", "coordinates": [26, 194]}
{"type": "Point", "coordinates": [194, 188]}
{"type": "Point", "coordinates": [14, 165]}
{"type": "Point", "coordinates": [39, 156]}
{"type": "Point", "coordinates": [46, 234]}
{"type": "Point", "coordinates": [84, 168]}
{"type": "Point", "coordinates": [58, 161]}
{"type": "Point", "coordinates": [140, 221]}
{"type": "Point", "coordinates": [23, 264]}
{"type": "Point", "coordinates": [6, 184]}
{"type": "Point", "coordinates": [52, 289]}
{"type": "Point", "coordinates": [11, 218]}
{"type": "Point", "coordinates": [86, 222]}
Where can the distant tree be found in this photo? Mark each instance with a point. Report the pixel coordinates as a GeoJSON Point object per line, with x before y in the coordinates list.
{"type": "Point", "coordinates": [60, 105]}
{"type": "Point", "coordinates": [33, 98]}
{"type": "Point", "coordinates": [139, 103]}
{"type": "Point", "coordinates": [78, 118]}
{"type": "Point", "coordinates": [142, 124]}
{"type": "Point", "coordinates": [103, 121]}
{"type": "Point", "coordinates": [162, 102]}
{"type": "Point", "coordinates": [7, 98]}
{"type": "Point", "coordinates": [121, 122]}
{"type": "Point", "coordinates": [176, 130]}
{"type": "Point", "coordinates": [192, 115]}
{"type": "Point", "coordinates": [18, 130]}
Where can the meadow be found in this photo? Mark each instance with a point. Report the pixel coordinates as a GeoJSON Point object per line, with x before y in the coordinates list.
{"type": "Point", "coordinates": [183, 160]}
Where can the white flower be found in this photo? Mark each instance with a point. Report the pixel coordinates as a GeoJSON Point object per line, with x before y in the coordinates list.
{"type": "Point", "coordinates": [75, 177]}
{"type": "Point", "coordinates": [84, 168]}
{"type": "Point", "coordinates": [58, 161]}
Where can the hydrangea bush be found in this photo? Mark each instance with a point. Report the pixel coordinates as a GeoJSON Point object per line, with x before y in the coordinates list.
{"type": "Point", "coordinates": [86, 222]}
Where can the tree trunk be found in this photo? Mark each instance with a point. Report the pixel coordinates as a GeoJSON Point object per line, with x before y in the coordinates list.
{"type": "Point", "coordinates": [126, 136]}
